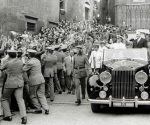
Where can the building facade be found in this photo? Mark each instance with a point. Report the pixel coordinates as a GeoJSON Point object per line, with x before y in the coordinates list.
{"type": "Point", "coordinates": [134, 13]}
{"type": "Point", "coordinates": [76, 10]}
{"type": "Point", "coordinates": [30, 15]}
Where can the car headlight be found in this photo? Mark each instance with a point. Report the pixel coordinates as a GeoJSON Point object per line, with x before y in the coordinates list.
{"type": "Point", "coordinates": [105, 88]}
{"type": "Point", "coordinates": [144, 95]}
{"type": "Point", "coordinates": [105, 77]}
{"type": "Point", "coordinates": [102, 94]}
{"type": "Point", "coordinates": [141, 77]}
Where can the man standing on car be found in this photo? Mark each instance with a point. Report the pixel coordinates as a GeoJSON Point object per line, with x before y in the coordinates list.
{"type": "Point", "coordinates": [139, 42]}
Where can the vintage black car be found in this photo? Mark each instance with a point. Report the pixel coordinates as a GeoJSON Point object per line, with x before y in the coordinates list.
{"type": "Point", "coordinates": [123, 80]}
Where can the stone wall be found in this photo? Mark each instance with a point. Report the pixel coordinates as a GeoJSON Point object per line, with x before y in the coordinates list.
{"type": "Point", "coordinates": [75, 10]}
{"type": "Point", "coordinates": [133, 13]}
{"type": "Point", "coordinates": [13, 13]}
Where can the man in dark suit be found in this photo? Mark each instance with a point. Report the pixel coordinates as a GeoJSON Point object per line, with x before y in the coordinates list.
{"type": "Point", "coordinates": [139, 42]}
{"type": "Point", "coordinates": [68, 69]}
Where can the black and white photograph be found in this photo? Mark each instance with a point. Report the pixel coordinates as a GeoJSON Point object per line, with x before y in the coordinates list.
{"type": "Point", "coordinates": [75, 62]}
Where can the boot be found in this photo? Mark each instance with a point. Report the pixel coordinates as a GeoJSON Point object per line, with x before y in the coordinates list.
{"type": "Point", "coordinates": [39, 111]}
{"type": "Point", "coordinates": [8, 118]}
{"type": "Point", "coordinates": [24, 120]}
{"type": "Point", "coordinates": [78, 102]}
{"type": "Point", "coordinates": [46, 112]}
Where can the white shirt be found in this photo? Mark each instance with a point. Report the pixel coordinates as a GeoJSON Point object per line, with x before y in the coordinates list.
{"type": "Point", "coordinates": [119, 46]}
{"type": "Point", "coordinates": [95, 59]}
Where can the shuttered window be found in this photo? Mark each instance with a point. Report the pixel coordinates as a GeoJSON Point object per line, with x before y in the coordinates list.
{"type": "Point", "coordinates": [31, 26]}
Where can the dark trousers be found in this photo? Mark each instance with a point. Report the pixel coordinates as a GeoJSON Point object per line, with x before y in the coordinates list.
{"type": "Point", "coordinates": [49, 87]}
{"type": "Point", "coordinates": [78, 82]}
{"type": "Point", "coordinates": [60, 75]}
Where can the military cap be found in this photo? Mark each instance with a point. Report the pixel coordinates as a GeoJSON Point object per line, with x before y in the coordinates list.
{"type": "Point", "coordinates": [63, 47]}
{"type": "Point", "coordinates": [96, 43]}
{"type": "Point", "coordinates": [11, 51]}
{"type": "Point", "coordinates": [31, 51]}
{"type": "Point", "coordinates": [50, 48]}
{"type": "Point", "coordinates": [79, 47]}
{"type": "Point", "coordinates": [75, 51]}
{"type": "Point", "coordinates": [19, 51]}
{"type": "Point", "coordinates": [56, 46]}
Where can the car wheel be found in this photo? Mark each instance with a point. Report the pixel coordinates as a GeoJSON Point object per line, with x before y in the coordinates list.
{"type": "Point", "coordinates": [95, 108]}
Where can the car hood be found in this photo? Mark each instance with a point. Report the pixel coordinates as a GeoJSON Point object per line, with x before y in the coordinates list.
{"type": "Point", "coordinates": [125, 64]}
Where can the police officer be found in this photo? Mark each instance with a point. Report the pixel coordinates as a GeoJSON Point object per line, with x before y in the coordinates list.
{"type": "Point", "coordinates": [14, 83]}
{"type": "Point", "coordinates": [49, 61]}
{"type": "Point", "coordinates": [80, 73]}
{"type": "Point", "coordinates": [36, 83]}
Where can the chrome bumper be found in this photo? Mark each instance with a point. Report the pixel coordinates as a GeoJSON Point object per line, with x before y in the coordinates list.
{"type": "Point", "coordinates": [121, 102]}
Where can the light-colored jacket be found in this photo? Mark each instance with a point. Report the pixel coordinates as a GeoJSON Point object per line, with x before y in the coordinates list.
{"type": "Point", "coordinates": [68, 65]}
{"type": "Point", "coordinates": [33, 66]}
{"type": "Point", "coordinates": [49, 62]}
{"type": "Point", "coordinates": [95, 59]}
{"type": "Point", "coordinates": [14, 73]}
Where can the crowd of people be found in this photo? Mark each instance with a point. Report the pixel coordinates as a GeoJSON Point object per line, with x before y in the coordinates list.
{"type": "Point", "coordinates": [56, 60]}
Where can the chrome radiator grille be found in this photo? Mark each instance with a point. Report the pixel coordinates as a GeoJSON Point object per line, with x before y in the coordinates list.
{"type": "Point", "coordinates": [123, 84]}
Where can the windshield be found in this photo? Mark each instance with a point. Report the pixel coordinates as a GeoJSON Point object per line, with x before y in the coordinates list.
{"type": "Point", "coordinates": [118, 54]}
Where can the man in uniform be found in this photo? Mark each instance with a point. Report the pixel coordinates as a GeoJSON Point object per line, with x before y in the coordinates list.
{"type": "Point", "coordinates": [80, 73]}
{"type": "Point", "coordinates": [36, 83]}
{"type": "Point", "coordinates": [60, 61]}
{"type": "Point", "coordinates": [49, 61]}
{"type": "Point", "coordinates": [14, 83]}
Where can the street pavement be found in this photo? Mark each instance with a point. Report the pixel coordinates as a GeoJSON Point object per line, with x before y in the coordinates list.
{"type": "Point", "coordinates": [63, 111]}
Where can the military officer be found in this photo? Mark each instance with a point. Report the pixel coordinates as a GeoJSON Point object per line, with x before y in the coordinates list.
{"type": "Point", "coordinates": [36, 83]}
{"type": "Point", "coordinates": [80, 73]}
{"type": "Point", "coordinates": [14, 83]}
{"type": "Point", "coordinates": [49, 62]}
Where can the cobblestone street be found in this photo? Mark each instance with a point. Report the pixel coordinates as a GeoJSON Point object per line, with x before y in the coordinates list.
{"type": "Point", "coordinates": [63, 111]}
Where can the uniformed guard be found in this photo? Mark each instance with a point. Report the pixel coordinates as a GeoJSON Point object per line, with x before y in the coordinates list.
{"type": "Point", "coordinates": [60, 61]}
{"type": "Point", "coordinates": [14, 83]}
{"type": "Point", "coordinates": [36, 83]}
{"type": "Point", "coordinates": [49, 61]}
{"type": "Point", "coordinates": [80, 73]}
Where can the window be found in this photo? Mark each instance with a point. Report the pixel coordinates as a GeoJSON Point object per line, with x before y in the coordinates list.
{"type": "Point", "coordinates": [31, 26]}
{"type": "Point", "coordinates": [31, 23]}
{"type": "Point", "coordinates": [62, 4]}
